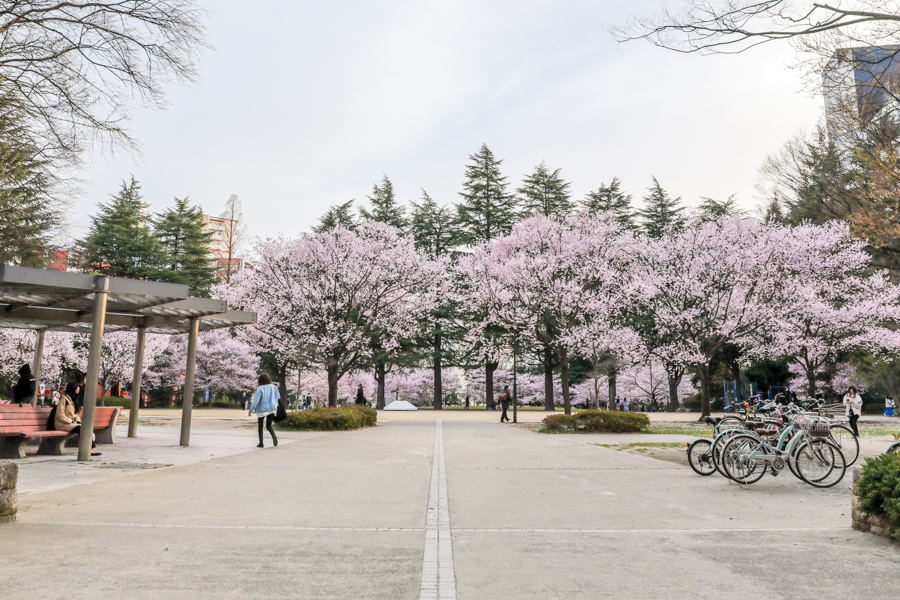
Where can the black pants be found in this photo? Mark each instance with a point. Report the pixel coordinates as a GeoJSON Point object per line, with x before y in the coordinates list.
{"type": "Point", "coordinates": [77, 431]}
{"type": "Point", "coordinates": [269, 419]}
{"type": "Point", "coordinates": [503, 417]}
{"type": "Point", "coordinates": [853, 420]}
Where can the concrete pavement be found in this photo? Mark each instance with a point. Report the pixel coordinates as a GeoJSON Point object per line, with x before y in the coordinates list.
{"type": "Point", "coordinates": [519, 515]}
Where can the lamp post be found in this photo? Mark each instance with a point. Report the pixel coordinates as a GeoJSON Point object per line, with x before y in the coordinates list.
{"type": "Point", "coordinates": [515, 304]}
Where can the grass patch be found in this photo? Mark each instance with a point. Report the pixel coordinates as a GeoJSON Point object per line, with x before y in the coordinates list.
{"type": "Point", "coordinates": [340, 418]}
{"type": "Point", "coordinates": [643, 445]}
{"type": "Point", "coordinates": [692, 429]}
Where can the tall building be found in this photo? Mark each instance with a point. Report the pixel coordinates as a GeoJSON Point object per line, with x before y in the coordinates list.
{"type": "Point", "coordinates": [859, 84]}
{"type": "Point", "coordinates": [222, 246]}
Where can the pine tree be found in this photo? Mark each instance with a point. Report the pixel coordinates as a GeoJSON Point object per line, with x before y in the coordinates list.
{"type": "Point", "coordinates": [487, 210]}
{"type": "Point", "coordinates": [185, 247]}
{"type": "Point", "coordinates": [611, 198]}
{"type": "Point", "coordinates": [28, 213]}
{"type": "Point", "coordinates": [120, 242]}
{"type": "Point", "coordinates": [339, 215]}
{"type": "Point", "coordinates": [710, 209]}
{"type": "Point", "coordinates": [660, 211]}
{"type": "Point", "coordinates": [432, 227]}
{"type": "Point", "coordinates": [546, 192]}
{"type": "Point", "coordinates": [385, 208]}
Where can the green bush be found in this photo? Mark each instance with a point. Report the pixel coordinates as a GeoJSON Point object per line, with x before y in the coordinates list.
{"type": "Point", "coordinates": [878, 488]}
{"type": "Point", "coordinates": [597, 421]}
{"type": "Point", "coordinates": [115, 401]}
{"type": "Point", "coordinates": [330, 419]}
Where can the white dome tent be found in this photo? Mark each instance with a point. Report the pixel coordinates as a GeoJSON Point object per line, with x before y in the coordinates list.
{"type": "Point", "coordinates": [400, 405]}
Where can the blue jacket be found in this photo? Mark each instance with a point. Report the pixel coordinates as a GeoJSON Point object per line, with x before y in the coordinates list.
{"type": "Point", "coordinates": [265, 399]}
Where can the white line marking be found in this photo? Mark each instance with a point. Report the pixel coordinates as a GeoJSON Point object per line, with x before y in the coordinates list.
{"type": "Point", "coordinates": [438, 577]}
{"type": "Point", "coordinates": [289, 527]}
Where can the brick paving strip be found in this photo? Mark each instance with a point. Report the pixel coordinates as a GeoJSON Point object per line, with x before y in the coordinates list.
{"type": "Point", "coordinates": [438, 577]}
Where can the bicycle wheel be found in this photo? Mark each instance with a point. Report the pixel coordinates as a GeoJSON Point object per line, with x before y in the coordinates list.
{"type": "Point", "coordinates": [718, 445]}
{"type": "Point", "coordinates": [820, 463]}
{"type": "Point", "coordinates": [893, 448]}
{"type": "Point", "coordinates": [741, 459]}
{"type": "Point", "coordinates": [842, 437]}
{"type": "Point", "coordinates": [700, 457]}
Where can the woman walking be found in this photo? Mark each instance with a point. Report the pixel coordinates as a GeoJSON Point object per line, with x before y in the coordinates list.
{"type": "Point", "coordinates": [264, 406]}
{"type": "Point", "coordinates": [66, 417]}
{"type": "Point", "coordinates": [889, 406]}
{"type": "Point", "coordinates": [853, 402]}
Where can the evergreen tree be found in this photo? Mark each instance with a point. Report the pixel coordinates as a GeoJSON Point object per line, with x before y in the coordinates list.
{"type": "Point", "coordinates": [385, 208]}
{"type": "Point", "coordinates": [611, 198]}
{"type": "Point", "coordinates": [710, 209]}
{"type": "Point", "coordinates": [432, 227]}
{"type": "Point", "coordinates": [120, 242]}
{"type": "Point", "coordinates": [339, 215]}
{"type": "Point", "coordinates": [185, 247]}
{"type": "Point", "coordinates": [28, 213]}
{"type": "Point", "coordinates": [660, 211]}
{"type": "Point", "coordinates": [546, 192]}
{"type": "Point", "coordinates": [487, 210]}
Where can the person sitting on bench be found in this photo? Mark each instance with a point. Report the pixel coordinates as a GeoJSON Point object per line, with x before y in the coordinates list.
{"type": "Point", "coordinates": [23, 391]}
{"type": "Point", "coordinates": [67, 418]}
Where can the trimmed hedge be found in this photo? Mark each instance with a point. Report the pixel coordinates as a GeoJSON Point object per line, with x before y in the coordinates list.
{"type": "Point", "coordinates": [878, 488]}
{"type": "Point", "coordinates": [330, 419]}
{"type": "Point", "coordinates": [115, 401]}
{"type": "Point", "coordinates": [597, 421]}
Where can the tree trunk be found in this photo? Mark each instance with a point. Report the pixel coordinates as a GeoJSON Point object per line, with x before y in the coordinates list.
{"type": "Point", "coordinates": [548, 378]}
{"type": "Point", "coordinates": [703, 371]}
{"type": "Point", "coordinates": [811, 383]}
{"type": "Point", "coordinates": [564, 379]}
{"type": "Point", "coordinates": [674, 382]}
{"type": "Point", "coordinates": [282, 382]}
{"type": "Point", "coordinates": [612, 389]}
{"type": "Point", "coordinates": [489, 368]}
{"type": "Point", "coordinates": [332, 384]}
{"type": "Point", "coordinates": [379, 379]}
{"type": "Point", "coordinates": [299, 387]}
{"type": "Point", "coordinates": [735, 368]}
{"type": "Point", "coordinates": [438, 402]}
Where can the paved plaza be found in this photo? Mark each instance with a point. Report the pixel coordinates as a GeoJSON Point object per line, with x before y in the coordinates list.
{"type": "Point", "coordinates": [426, 505]}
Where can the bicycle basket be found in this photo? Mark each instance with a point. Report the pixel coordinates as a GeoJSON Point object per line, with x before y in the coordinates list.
{"type": "Point", "coordinates": [814, 425]}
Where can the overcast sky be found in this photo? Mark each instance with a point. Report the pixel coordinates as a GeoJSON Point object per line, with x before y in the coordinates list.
{"type": "Point", "coordinates": [305, 104]}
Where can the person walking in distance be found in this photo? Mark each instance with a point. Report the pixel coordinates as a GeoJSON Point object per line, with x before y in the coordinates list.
{"type": "Point", "coordinates": [889, 406]}
{"type": "Point", "coordinates": [264, 406]}
{"type": "Point", "coordinates": [360, 396]}
{"type": "Point", "coordinates": [853, 402]}
{"type": "Point", "coordinates": [467, 402]}
{"type": "Point", "coordinates": [504, 403]}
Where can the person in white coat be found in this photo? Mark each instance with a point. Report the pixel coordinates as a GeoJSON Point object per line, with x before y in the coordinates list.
{"type": "Point", "coordinates": [889, 406]}
{"type": "Point", "coordinates": [853, 402]}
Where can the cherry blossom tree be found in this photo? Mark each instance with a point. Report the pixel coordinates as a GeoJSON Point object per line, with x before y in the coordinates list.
{"type": "Point", "coordinates": [838, 304]}
{"type": "Point", "coordinates": [547, 279]}
{"type": "Point", "coordinates": [329, 293]}
{"type": "Point", "coordinates": [710, 284]}
{"type": "Point", "coordinates": [224, 362]}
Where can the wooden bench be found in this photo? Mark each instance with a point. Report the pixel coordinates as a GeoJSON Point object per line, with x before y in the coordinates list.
{"type": "Point", "coordinates": [19, 424]}
{"type": "Point", "coordinates": [105, 420]}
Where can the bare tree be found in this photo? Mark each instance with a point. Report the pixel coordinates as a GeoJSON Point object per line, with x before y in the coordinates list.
{"type": "Point", "coordinates": [832, 39]}
{"type": "Point", "coordinates": [75, 69]}
{"type": "Point", "coordinates": [232, 236]}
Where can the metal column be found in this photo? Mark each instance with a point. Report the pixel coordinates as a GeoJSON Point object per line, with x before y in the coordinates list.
{"type": "Point", "coordinates": [188, 399]}
{"type": "Point", "coordinates": [36, 365]}
{"type": "Point", "coordinates": [101, 291]}
{"type": "Point", "coordinates": [136, 381]}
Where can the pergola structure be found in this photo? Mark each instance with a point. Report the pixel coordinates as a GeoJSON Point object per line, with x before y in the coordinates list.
{"type": "Point", "coordinates": [46, 300]}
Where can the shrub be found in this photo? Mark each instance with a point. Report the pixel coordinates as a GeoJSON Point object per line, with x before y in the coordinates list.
{"type": "Point", "coordinates": [115, 401]}
{"type": "Point", "coordinates": [330, 419]}
{"type": "Point", "coordinates": [597, 421]}
{"type": "Point", "coordinates": [878, 488]}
